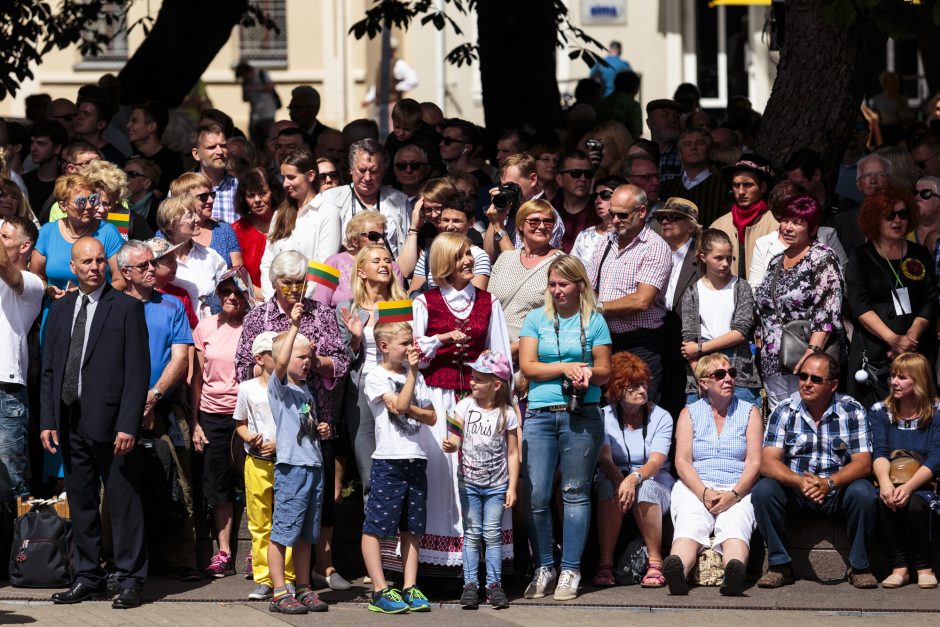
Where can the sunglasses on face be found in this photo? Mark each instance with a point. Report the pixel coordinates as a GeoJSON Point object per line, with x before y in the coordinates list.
{"type": "Point", "coordinates": [289, 289]}
{"type": "Point", "coordinates": [904, 214]}
{"type": "Point", "coordinates": [330, 176]}
{"type": "Point", "coordinates": [605, 194]}
{"type": "Point", "coordinates": [922, 165]}
{"type": "Point", "coordinates": [623, 215]}
{"type": "Point", "coordinates": [537, 222]}
{"type": "Point", "coordinates": [721, 373]}
{"type": "Point", "coordinates": [447, 141]}
{"type": "Point", "coordinates": [143, 265]}
{"type": "Point", "coordinates": [403, 166]}
{"type": "Point", "coordinates": [130, 173]}
{"type": "Point", "coordinates": [577, 173]}
{"type": "Point", "coordinates": [205, 196]}
{"type": "Point", "coordinates": [668, 217]}
{"type": "Point", "coordinates": [926, 194]}
{"type": "Point", "coordinates": [815, 379]}
{"type": "Point", "coordinates": [373, 236]}
{"type": "Point", "coordinates": [83, 201]}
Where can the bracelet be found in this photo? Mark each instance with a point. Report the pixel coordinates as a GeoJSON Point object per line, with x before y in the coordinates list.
{"type": "Point", "coordinates": [700, 348]}
{"type": "Point", "coordinates": [736, 495]}
{"type": "Point", "coordinates": [415, 231]}
{"type": "Point", "coordinates": [704, 490]}
{"type": "Point", "coordinates": [814, 348]}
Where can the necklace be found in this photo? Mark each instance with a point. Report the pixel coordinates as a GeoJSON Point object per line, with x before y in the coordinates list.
{"type": "Point", "coordinates": [72, 234]}
{"type": "Point", "coordinates": [465, 307]}
{"type": "Point", "coordinates": [533, 255]}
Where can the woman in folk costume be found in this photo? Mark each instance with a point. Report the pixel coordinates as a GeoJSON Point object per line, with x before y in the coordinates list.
{"type": "Point", "coordinates": [453, 324]}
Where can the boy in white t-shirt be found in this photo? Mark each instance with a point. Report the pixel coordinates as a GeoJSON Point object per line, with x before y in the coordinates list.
{"type": "Point", "coordinates": [255, 425]}
{"type": "Point", "coordinates": [401, 404]}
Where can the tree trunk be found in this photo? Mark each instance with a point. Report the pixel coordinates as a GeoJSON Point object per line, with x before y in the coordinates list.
{"type": "Point", "coordinates": [819, 86]}
{"type": "Point", "coordinates": [184, 39]}
{"type": "Point", "coordinates": [517, 64]}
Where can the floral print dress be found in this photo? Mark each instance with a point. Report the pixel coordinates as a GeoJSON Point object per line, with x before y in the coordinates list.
{"type": "Point", "coordinates": [810, 290]}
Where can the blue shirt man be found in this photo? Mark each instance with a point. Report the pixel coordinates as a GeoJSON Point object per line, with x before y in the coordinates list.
{"type": "Point", "coordinates": [606, 73]}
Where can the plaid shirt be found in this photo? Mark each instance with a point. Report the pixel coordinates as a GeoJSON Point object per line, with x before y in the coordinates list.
{"type": "Point", "coordinates": [647, 259]}
{"type": "Point", "coordinates": [670, 166]}
{"type": "Point", "coordinates": [223, 209]}
{"type": "Point", "coordinates": [823, 450]}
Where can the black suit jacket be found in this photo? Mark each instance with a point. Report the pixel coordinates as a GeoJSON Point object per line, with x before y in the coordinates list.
{"type": "Point", "coordinates": [115, 370]}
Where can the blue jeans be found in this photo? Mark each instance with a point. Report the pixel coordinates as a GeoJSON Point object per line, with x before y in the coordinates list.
{"type": "Point", "coordinates": [571, 442]}
{"type": "Point", "coordinates": [482, 509]}
{"type": "Point", "coordinates": [751, 395]}
{"type": "Point", "coordinates": [13, 417]}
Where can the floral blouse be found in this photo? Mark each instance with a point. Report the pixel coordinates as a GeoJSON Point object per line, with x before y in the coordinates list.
{"type": "Point", "coordinates": [810, 290]}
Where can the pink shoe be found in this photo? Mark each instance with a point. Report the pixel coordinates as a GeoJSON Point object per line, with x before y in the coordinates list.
{"type": "Point", "coordinates": [220, 566]}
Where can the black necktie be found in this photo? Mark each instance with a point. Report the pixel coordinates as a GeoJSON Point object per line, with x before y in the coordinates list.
{"type": "Point", "coordinates": [73, 364]}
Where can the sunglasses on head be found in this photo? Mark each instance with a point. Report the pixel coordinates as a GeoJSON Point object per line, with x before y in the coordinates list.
{"type": "Point", "coordinates": [373, 236]}
{"type": "Point", "coordinates": [402, 166]}
{"type": "Point", "coordinates": [205, 196]}
{"type": "Point", "coordinates": [447, 141]}
{"type": "Point", "coordinates": [926, 194]}
{"type": "Point", "coordinates": [721, 373]}
{"type": "Point", "coordinates": [815, 379]}
{"type": "Point", "coordinates": [605, 194]}
{"type": "Point", "coordinates": [577, 173]}
{"type": "Point", "coordinates": [904, 214]}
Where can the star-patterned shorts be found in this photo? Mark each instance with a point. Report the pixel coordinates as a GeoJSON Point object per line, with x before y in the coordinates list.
{"type": "Point", "coordinates": [397, 497]}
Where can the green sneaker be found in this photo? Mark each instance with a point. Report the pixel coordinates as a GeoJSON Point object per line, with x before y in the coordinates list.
{"type": "Point", "coordinates": [416, 600]}
{"type": "Point", "coordinates": [387, 601]}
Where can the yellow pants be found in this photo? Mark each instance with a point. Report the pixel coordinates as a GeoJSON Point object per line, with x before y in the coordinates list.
{"type": "Point", "coordinates": [259, 502]}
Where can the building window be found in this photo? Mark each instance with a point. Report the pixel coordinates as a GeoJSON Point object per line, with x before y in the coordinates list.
{"type": "Point", "coordinates": [265, 47]}
{"type": "Point", "coordinates": [111, 25]}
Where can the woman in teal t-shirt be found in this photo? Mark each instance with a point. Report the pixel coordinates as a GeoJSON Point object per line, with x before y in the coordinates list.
{"type": "Point", "coordinates": [564, 351]}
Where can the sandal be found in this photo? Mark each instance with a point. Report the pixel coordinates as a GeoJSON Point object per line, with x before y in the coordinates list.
{"type": "Point", "coordinates": [287, 604]}
{"type": "Point", "coordinates": [654, 576]}
{"type": "Point", "coordinates": [604, 577]}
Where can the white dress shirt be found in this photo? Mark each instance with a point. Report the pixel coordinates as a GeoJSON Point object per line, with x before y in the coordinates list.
{"type": "Point", "coordinates": [93, 299]}
{"type": "Point", "coordinates": [392, 204]}
{"type": "Point", "coordinates": [678, 258]}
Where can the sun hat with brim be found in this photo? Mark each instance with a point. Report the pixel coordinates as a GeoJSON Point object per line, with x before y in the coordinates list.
{"type": "Point", "coordinates": [681, 207]}
{"type": "Point", "coordinates": [753, 164]}
{"type": "Point", "coordinates": [160, 247]}
{"type": "Point", "coordinates": [242, 281]}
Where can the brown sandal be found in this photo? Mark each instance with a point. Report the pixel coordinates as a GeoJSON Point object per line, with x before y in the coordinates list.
{"type": "Point", "coordinates": [604, 577]}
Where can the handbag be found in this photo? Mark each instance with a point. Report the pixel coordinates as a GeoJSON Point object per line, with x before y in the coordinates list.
{"type": "Point", "coordinates": [633, 562]}
{"type": "Point", "coordinates": [41, 553]}
{"type": "Point", "coordinates": [795, 336]}
{"type": "Point", "coordinates": [904, 465]}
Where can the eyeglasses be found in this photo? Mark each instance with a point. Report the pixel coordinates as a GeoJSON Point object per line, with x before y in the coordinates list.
{"type": "Point", "coordinates": [577, 173]}
{"type": "Point", "coordinates": [815, 379]}
{"type": "Point", "coordinates": [332, 175]}
{"type": "Point", "coordinates": [904, 214]}
{"type": "Point", "coordinates": [873, 176]}
{"type": "Point", "coordinates": [926, 194]}
{"type": "Point", "coordinates": [605, 194]}
{"type": "Point", "coordinates": [428, 208]}
{"type": "Point", "coordinates": [922, 165]}
{"type": "Point", "coordinates": [143, 265]}
{"type": "Point", "coordinates": [537, 222]}
{"type": "Point", "coordinates": [624, 215]}
{"type": "Point", "coordinates": [721, 373]}
{"type": "Point", "coordinates": [645, 177]}
{"type": "Point", "coordinates": [131, 174]}
{"type": "Point", "coordinates": [668, 217]}
{"type": "Point", "coordinates": [205, 196]}
{"type": "Point", "coordinates": [636, 387]}
{"type": "Point", "coordinates": [410, 165]}
{"type": "Point", "coordinates": [81, 202]}
{"type": "Point", "coordinates": [373, 236]}
{"type": "Point", "coordinates": [447, 141]}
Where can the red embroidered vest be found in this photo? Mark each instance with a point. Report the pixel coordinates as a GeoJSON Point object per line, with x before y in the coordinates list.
{"type": "Point", "coordinates": [447, 369]}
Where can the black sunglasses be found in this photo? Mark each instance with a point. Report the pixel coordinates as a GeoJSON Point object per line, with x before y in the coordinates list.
{"type": "Point", "coordinates": [410, 165]}
{"type": "Point", "coordinates": [922, 165]}
{"type": "Point", "coordinates": [814, 378]}
{"type": "Point", "coordinates": [143, 265]}
{"type": "Point", "coordinates": [926, 194]}
{"type": "Point", "coordinates": [623, 215]}
{"type": "Point", "coordinates": [447, 141]}
{"type": "Point", "coordinates": [373, 236]}
{"type": "Point", "coordinates": [605, 194]}
{"type": "Point", "coordinates": [332, 176]}
{"type": "Point", "coordinates": [721, 373]}
{"type": "Point", "coordinates": [577, 173]}
{"type": "Point", "coordinates": [131, 174]}
{"type": "Point", "coordinates": [904, 214]}
{"type": "Point", "coordinates": [668, 217]}
{"type": "Point", "coordinates": [203, 197]}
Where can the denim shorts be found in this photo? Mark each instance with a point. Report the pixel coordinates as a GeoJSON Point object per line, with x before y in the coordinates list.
{"type": "Point", "coordinates": [397, 497]}
{"type": "Point", "coordinates": [298, 491]}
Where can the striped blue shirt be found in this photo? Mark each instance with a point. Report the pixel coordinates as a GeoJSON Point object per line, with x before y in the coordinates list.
{"type": "Point", "coordinates": [719, 458]}
{"type": "Point", "coordinates": [823, 451]}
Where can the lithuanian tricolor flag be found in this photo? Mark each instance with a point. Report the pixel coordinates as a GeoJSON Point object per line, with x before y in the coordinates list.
{"type": "Point", "coordinates": [120, 220]}
{"type": "Point", "coordinates": [325, 275]}
{"type": "Point", "coordinates": [396, 311]}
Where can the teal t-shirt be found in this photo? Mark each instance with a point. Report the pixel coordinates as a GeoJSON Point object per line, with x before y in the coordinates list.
{"type": "Point", "coordinates": [542, 328]}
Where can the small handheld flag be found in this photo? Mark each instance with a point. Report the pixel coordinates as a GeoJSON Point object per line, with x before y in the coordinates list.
{"type": "Point", "coordinates": [454, 426]}
{"type": "Point", "coordinates": [120, 220]}
{"type": "Point", "coordinates": [396, 311]}
{"type": "Point", "coordinates": [325, 275]}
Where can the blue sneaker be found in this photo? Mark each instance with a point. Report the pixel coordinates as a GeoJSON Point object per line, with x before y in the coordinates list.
{"type": "Point", "coordinates": [387, 601]}
{"type": "Point", "coordinates": [416, 600]}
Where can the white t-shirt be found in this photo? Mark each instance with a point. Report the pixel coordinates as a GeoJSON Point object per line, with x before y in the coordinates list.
{"type": "Point", "coordinates": [17, 314]}
{"type": "Point", "coordinates": [481, 265]}
{"type": "Point", "coordinates": [252, 405]}
{"type": "Point", "coordinates": [398, 437]}
{"type": "Point", "coordinates": [716, 309]}
{"type": "Point", "coordinates": [483, 452]}
{"type": "Point", "coordinates": [199, 275]}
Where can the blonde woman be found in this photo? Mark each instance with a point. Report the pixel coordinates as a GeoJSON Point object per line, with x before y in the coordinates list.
{"type": "Point", "coordinates": [564, 352]}
{"type": "Point", "coordinates": [453, 324]}
{"type": "Point", "coordinates": [13, 202]}
{"type": "Point", "coordinates": [218, 236]}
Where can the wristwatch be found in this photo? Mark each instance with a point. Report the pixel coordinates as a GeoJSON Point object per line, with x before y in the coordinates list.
{"type": "Point", "coordinates": [157, 394]}
{"type": "Point", "coordinates": [499, 235]}
{"type": "Point", "coordinates": [830, 483]}
{"type": "Point", "coordinates": [638, 475]}
{"type": "Point", "coordinates": [599, 307]}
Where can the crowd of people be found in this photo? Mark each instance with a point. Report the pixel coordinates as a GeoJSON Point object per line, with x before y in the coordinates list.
{"type": "Point", "coordinates": [743, 338]}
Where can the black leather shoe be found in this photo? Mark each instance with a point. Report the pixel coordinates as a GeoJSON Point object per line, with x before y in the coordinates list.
{"type": "Point", "coordinates": [127, 598]}
{"type": "Point", "coordinates": [77, 593]}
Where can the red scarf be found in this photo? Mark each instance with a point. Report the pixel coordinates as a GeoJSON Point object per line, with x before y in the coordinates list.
{"type": "Point", "coordinates": [743, 218]}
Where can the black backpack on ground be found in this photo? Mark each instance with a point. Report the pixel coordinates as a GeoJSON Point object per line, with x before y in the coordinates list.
{"type": "Point", "coordinates": [41, 554]}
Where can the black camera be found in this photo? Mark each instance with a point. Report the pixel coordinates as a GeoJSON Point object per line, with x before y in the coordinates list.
{"type": "Point", "coordinates": [573, 394]}
{"type": "Point", "coordinates": [594, 144]}
{"type": "Point", "coordinates": [507, 195]}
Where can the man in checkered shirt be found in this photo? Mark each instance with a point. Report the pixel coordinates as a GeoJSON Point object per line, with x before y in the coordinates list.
{"type": "Point", "coordinates": [630, 272]}
{"type": "Point", "coordinates": [816, 458]}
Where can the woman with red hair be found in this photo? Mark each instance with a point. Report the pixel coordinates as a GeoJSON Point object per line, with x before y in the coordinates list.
{"type": "Point", "coordinates": [633, 469]}
{"type": "Point", "coordinates": [891, 289]}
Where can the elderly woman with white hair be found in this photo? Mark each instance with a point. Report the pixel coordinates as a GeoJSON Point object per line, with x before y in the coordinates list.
{"type": "Point", "coordinates": [330, 360]}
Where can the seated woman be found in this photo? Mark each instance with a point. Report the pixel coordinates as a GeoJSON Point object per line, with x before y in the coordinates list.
{"type": "Point", "coordinates": [633, 467]}
{"type": "Point", "coordinates": [718, 455]}
{"type": "Point", "coordinates": [907, 420]}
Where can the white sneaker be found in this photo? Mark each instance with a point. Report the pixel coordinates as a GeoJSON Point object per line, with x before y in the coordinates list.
{"type": "Point", "coordinates": [567, 588]}
{"type": "Point", "coordinates": [543, 579]}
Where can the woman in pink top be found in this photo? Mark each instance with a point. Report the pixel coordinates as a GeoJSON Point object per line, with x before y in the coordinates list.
{"type": "Point", "coordinates": [214, 392]}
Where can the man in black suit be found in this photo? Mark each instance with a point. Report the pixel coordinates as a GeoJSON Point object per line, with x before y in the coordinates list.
{"type": "Point", "coordinates": [95, 373]}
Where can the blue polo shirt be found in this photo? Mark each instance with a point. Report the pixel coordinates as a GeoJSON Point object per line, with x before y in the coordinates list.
{"type": "Point", "coordinates": [167, 325]}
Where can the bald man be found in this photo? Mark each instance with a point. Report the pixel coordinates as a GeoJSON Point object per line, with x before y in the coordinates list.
{"type": "Point", "coordinates": [95, 373]}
